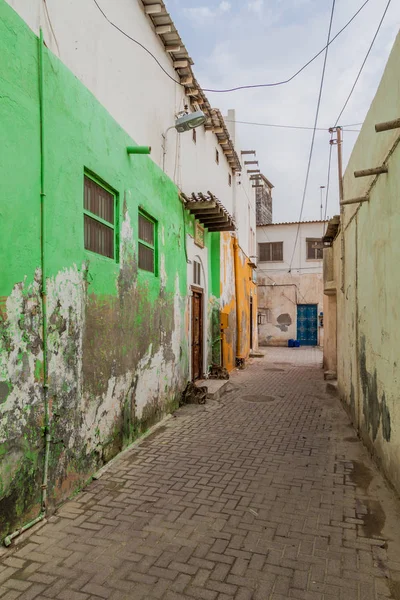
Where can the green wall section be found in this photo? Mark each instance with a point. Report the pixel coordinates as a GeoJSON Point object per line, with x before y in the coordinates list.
{"type": "Point", "coordinates": [117, 342]}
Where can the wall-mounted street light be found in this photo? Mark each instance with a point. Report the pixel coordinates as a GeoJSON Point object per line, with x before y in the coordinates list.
{"type": "Point", "coordinates": [185, 121]}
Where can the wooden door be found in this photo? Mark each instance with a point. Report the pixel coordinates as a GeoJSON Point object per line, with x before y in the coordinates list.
{"type": "Point", "coordinates": [197, 335]}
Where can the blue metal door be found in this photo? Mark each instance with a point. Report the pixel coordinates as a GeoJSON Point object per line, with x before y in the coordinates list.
{"type": "Point", "coordinates": [307, 324]}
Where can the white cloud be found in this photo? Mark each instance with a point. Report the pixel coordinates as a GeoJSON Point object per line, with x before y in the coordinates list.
{"type": "Point", "coordinates": [256, 6]}
{"type": "Point", "coordinates": [225, 6]}
{"type": "Point", "coordinates": [271, 48]}
{"type": "Point", "coordinates": [201, 14]}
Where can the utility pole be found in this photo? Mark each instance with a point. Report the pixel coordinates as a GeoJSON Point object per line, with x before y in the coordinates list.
{"type": "Point", "coordinates": [321, 187]}
{"type": "Point", "coordinates": [338, 142]}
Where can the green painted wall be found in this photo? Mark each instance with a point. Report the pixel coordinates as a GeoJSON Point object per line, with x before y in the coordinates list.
{"type": "Point", "coordinates": [118, 355]}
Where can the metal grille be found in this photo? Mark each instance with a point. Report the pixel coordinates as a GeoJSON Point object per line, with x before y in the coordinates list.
{"type": "Point", "coordinates": [146, 258]}
{"type": "Point", "coordinates": [271, 252]}
{"type": "Point", "coordinates": [146, 230]}
{"type": "Point", "coordinates": [196, 273]}
{"type": "Point", "coordinates": [98, 201]}
{"type": "Point", "coordinates": [98, 237]}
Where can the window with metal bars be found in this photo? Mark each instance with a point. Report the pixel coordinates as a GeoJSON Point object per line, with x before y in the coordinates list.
{"type": "Point", "coordinates": [196, 273]}
{"type": "Point", "coordinates": [99, 208]}
{"type": "Point", "coordinates": [270, 252]}
{"type": "Point", "coordinates": [314, 249]}
{"type": "Point", "coordinates": [147, 243]}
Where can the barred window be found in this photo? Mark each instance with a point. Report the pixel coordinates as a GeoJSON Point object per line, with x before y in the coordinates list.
{"type": "Point", "coordinates": [147, 243]}
{"type": "Point", "coordinates": [270, 252]}
{"type": "Point", "coordinates": [314, 249]}
{"type": "Point", "coordinates": [99, 208]}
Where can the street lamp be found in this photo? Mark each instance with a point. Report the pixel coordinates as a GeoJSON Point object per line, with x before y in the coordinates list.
{"type": "Point", "coordinates": [185, 121]}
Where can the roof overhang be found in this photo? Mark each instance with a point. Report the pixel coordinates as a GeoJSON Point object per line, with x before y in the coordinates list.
{"type": "Point", "coordinates": [331, 230]}
{"type": "Point", "coordinates": [169, 37]}
{"type": "Point", "coordinates": [209, 211]}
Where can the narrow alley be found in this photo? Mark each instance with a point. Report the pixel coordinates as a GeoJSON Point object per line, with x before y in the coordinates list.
{"type": "Point", "coordinates": [265, 494]}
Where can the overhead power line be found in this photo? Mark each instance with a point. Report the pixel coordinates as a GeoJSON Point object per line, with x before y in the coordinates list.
{"type": "Point", "coordinates": [321, 86]}
{"type": "Point", "coordinates": [138, 43]}
{"type": "Point", "coordinates": [262, 85]}
{"type": "Point", "coordinates": [242, 87]}
{"type": "Point", "coordinates": [287, 126]}
{"type": "Point", "coordinates": [364, 61]}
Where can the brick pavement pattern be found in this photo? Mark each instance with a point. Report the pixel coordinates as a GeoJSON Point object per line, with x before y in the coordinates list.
{"type": "Point", "coordinates": [253, 497]}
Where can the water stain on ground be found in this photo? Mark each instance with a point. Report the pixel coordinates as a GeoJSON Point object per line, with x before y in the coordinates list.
{"type": "Point", "coordinates": [258, 398]}
{"type": "Point", "coordinates": [394, 588]}
{"type": "Point", "coordinates": [361, 475]}
{"type": "Point", "coordinates": [350, 439]}
{"type": "Point", "coordinates": [274, 369]}
{"type": "Point", "coordinates": [374, 519]}
{"type": "Point", "coordinates": [146, 442]}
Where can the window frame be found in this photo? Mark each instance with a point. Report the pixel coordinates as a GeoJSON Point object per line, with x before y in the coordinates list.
{"type": "Point", "coordinates": [270, 244]}
{"type": "Point", "coordinates": [313, 240]}
{"type": "Point", "coordinates": [113, 226]}
{"type": "Point", "coordinates": [145, 215]}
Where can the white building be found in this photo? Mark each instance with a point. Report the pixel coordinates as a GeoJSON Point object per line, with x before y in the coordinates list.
{"type": "Point", "coordinates": [290, 283]}
{"type": "Point", "coordinates": [145, 101]}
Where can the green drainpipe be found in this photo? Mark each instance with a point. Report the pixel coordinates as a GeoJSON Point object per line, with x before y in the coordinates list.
{"type": "Point", "coordinates": [43, 502]}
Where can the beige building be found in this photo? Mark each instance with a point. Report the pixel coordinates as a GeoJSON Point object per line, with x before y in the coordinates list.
{"type": "Point", "coordinates": [362, 280]}
{"type": "Point", "coordinates": [290, 283]}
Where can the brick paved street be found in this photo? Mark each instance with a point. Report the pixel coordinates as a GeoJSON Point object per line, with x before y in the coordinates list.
{"type": "Point", "coordinates": [266, 494]}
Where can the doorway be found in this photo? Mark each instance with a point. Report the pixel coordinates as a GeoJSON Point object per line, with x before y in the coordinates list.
{"type": "Point", "coordinates": [197, 334]}
{"type": "Point", "coordinates": [307, 324]}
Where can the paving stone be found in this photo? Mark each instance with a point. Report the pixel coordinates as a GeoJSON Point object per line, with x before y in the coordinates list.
{"type": "Point", "coordinates": [237, 499]}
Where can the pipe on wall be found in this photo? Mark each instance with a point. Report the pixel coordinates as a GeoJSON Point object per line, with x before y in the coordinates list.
{"type": "Point", "coordinates": [43, 260]}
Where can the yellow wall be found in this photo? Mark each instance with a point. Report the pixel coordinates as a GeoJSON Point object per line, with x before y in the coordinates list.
{"type": "Point", "coordinates": [236, 289]}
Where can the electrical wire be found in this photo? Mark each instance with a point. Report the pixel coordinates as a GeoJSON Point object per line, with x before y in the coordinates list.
{"type": "Point", "coordinates": [242, 87]}
{"type": "Point", "coordinates": [286, 126]}
{"type": "Point", "coordinates": [51, 25]}
{"type": "Point", "coordinates": [138, 43]}
{"type": "Point", "coordinates": [262, 85]}
{"type": "Point", "coordinates": [313, 134]}
{"type": "Point", "coordinates": [364, 61]}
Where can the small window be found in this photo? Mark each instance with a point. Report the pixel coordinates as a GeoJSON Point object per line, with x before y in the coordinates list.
{"type": "Point", "coordinates": [229, 179]}
{"type": "Point", "coordinates": [147, 248]}
{"type": "Point", "coordinates": [194, 135]}
{"type": "Point", "coordinates": [271, 252]}
{"type": "Point", "coordinates": [196, 273]}
{"type": "Point", "coordinates": [314, 249]}
{"type": "Point", "coordinates": [99, 208]}
{"type": "Point", "coordinates": [217, 157]}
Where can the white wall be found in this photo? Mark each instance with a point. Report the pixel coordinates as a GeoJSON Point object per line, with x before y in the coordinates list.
{"type": "Point", "coordinates": [286, 233]}
{"type": "Point", "coordinates": [130, 85]}
{"type": "Point", "coordinates": [244, 197]}
{"type": "Point", "coordinates": [195, 253]}
{"type": "Point", "coordinates": [281, 288]}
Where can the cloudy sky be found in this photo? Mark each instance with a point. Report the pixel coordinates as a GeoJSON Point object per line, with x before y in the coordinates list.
{"type": "Point", "coordinates": [241, 42]}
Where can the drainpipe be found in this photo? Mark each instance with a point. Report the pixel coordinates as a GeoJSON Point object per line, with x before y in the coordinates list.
{"type": "Point", "coordinates": [238, 323]}
{"type": "Point", "coordinates": [43, 501]}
